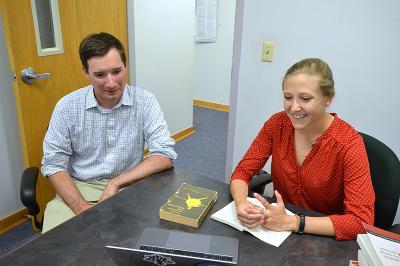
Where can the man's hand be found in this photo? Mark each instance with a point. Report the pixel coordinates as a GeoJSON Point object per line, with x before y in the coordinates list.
{"type": "Point", "coordinates": [275, 217]}
{"type": "Point", "coordinates": [83, 207]}
{"type": "Point", "coordinates": [249, 214]}
{"type": "Point", "coordinates": [66, 188]}
{"type": "Point", "coordinates": [110, 190]}
{"type": "Point", "coordinates": [150, 165]}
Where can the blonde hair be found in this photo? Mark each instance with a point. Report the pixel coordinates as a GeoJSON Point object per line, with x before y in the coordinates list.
{"type": "Point", "coordinates": [314, 67]}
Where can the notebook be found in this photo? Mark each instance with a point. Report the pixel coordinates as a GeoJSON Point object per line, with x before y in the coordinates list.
{"type": "Point", "coordinates": [169, 247]}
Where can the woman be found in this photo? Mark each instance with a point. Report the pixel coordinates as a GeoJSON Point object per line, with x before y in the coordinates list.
{"type": "Point", "coordinates": [319, 162]}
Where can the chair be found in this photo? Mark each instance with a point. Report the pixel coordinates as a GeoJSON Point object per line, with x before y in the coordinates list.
{"type": "Point", "coordinates": [28, 194]}
{"type": "Point", "coordinates": [258, 182]}
{"type": "Point", "coordinates": [385, 173]}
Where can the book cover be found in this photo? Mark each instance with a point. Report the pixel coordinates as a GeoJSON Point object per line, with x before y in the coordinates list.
{"type": "Point", "coordinates": [227, 215]}
{"type": "Point", "coordinates": [189, 205]}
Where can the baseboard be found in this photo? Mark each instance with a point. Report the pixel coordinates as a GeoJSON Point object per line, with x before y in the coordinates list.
{"type": "Point", "coordinates": [9, 222]}
{"type": "Point", "coordinates": [178, 136]}
{"type": "Point", "coordinates": [211, 105]}
{"type": "Point", "coordinates": [183, 134]}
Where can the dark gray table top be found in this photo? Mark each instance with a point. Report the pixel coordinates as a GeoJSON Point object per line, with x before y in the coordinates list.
{"type": "Point", "coordinates": [121, 219]}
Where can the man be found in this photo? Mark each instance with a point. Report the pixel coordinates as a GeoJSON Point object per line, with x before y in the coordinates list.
{"type": "Point", "coordinates": [95, 141]}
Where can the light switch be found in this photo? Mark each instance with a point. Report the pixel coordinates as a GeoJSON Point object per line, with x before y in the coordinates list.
{"type": "Point", "coordinates": [267, 51]}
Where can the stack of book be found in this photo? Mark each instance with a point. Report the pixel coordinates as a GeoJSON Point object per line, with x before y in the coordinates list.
{"type": "Point", "coordinates": [378, 247]}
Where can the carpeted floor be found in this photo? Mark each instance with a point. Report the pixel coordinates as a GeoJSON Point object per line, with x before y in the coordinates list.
{"type": "Point", "coordinates": [203, 153]}
{"type": "Point", "coordinates": [16, 237]}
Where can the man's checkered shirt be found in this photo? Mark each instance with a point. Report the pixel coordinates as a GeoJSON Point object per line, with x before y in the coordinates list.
{"type": "Point", "coordinates": [93, 143]}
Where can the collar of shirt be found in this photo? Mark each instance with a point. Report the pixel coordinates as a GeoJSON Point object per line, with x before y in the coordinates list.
{"type": "Point", "coordinates": [91, 101]}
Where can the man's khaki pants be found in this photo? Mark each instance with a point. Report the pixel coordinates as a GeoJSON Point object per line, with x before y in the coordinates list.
{"type": "Point", "coordinates": [57, 211]}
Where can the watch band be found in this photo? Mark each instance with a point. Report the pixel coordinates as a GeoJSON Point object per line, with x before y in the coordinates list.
{"type": "Point", "coordinates": [302, 223]}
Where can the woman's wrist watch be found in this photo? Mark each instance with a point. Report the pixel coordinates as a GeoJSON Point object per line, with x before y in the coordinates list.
{"type": "Point", "coordinates": [302, 223]}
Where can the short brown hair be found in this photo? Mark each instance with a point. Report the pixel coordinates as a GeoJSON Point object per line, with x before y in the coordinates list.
{"type": "Point", "coordinates": [314, 67]}
{"type": "Point", "coordinates": [99, 44]}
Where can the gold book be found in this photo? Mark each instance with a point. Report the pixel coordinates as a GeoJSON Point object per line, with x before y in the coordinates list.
{"type": "Point", "coordinates": [189, 205]}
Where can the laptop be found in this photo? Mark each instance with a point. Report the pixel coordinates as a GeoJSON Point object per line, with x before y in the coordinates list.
{"type": "Point", "coordinates": [169, 247]}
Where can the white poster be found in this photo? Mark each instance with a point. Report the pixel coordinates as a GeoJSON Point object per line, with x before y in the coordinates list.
{"type": "Point", "coordinates": [206, 20]}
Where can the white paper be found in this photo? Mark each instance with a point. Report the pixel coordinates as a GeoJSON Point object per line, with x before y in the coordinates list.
{"type": "Point", "coordinates": [228, 216]}
{"type": "Point", "coordinates": [206, 20]}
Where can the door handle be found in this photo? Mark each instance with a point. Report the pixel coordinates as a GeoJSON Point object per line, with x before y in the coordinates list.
{"type": "Point", "coordinates": [29, 75]}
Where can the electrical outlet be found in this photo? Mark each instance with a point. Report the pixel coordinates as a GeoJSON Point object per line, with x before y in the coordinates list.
{"type": "Point", "coordinates": [268, 49]}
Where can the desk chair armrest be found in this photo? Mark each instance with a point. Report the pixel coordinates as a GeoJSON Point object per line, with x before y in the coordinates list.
{"type": "Point", "coordinates": [395, 229]}
{"type": "Point", "coordinates": [258, 182]}
{"type": "Point", "coordinates": [28, 190]}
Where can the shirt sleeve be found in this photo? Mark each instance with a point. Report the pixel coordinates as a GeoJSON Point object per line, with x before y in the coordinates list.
{"type": "Point", "coordinates": [156, 133]}
{"type": "Point", "coordinates": [359, 196]}
{"type": "Point", "coordinates": [57, 144]}
{"type": "Point", "coordinates": [258, 152]}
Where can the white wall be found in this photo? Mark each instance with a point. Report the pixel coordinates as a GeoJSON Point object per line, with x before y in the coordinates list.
{"type": "Point", "coordinates": [359, 39]}
{"type": "Point", "coordinates": [166, 60]}
{"type": "Point", "coordinates": [162, 41]}
{"type": "Point", "coordinates": [11, 163]}
{"type": "Point", "coordinates": [213, 61]}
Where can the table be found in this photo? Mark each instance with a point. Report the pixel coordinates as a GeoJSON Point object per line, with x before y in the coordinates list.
{"type": "Point", "coordinates": [121, 219]}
